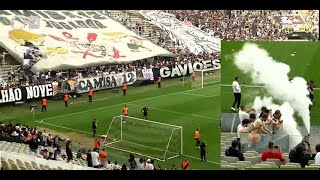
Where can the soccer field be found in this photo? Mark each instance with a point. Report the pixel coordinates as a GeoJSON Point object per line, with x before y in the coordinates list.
{"type": "Point", "coordinates": [305, 64]}
{"type": "Point", "coordinates": [175, 104]}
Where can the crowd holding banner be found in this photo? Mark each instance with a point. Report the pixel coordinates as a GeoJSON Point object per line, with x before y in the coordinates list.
{"type": "Point", "coordinates": [104, 82]}
{"type": "Point", "coordinates": [73, 39]}
{"type": "Point", "coordinates": [26, 93]}
{"type": "Point", "coordinates": [183, 33]}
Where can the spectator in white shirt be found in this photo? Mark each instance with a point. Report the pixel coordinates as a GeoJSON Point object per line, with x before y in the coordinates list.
{"type": "Point", "coordinates": [95, 159]}
{"type": "Point", "coordinates": [317, 157]}
{"type": "Point", "coordinates": [242, 128]}
{"type": "Point", "coordinates": [243, 114]}
{"type": "Point", "coordinates": [237, 94]}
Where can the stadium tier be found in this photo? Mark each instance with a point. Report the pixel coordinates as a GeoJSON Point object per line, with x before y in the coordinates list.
{"type": "Point", "coordinates": [126, 89]}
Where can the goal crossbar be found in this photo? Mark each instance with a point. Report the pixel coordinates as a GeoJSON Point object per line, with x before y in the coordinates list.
{"type": "Point", "coordinates": [118, 142]}
{"type": "Point", "coordinates": [154, 122]}
{"type": "Point", "coordinates": [202, 71]}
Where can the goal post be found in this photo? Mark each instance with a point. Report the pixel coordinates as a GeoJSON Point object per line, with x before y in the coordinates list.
{"type": "Point", "coordinates": [155, 140]}
{"type": "Point", "coordinates": [205, 77]}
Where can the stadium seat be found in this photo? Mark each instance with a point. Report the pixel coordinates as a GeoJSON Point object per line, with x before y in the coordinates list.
{"type": "Point", "coordinates": [247, 164]}
{"type": "Point", "coordinates": [272, 164]}
{"type": "Point", "coordinates": [238, 165]}
{"type": "Point", "coordinates": [287, 166]}
{"type": "Point", "coordinates": [230, 159]}
{"type": "Point", "coordinates": [262, 166]}
{"type": "Point", "coordinates": [5, 165]}
{"type": "Point", "coordinates": [253, 152]}
{"type": "Point", "coordinates": [248, 154]}
{"type": "Point", "coordinates": [311, 162]}
{"type": "Point", "coordinates": [253, 160]}
{"type": "Point", "coordinates": [313, 166]}
{"type": "Point", "coordinates": [294, 164]}
{"type": "Point", "coordinates": [222, 162]}
{"type": "Point", "coordinates": [35, 166]}
{"type": "Point", "coordinates": [13, 166]}
{"type": "Point", "coordinates": [276, 161]}
{"type": "Point", "coordinates": [228, 167]}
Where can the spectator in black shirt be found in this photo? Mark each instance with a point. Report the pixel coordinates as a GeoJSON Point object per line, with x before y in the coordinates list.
{"type": "Point", "coordinates": [69, 151]}
{"type": "Point", "coordinates": [301, 154]}
{"type": "Point", "coordinates": [234, 150]}
{"type": "Point", "coordinates": [94, 127]}
{"type": "Point", "coordinates": [310, 89]}
{"type": "Point", "coordinates": [89, 158]}
{"type": "Point", "coordinates": [132, 162]}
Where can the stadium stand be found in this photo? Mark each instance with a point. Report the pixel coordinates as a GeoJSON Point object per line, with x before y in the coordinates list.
{"type": "Point", "coordinates": [233, 25]}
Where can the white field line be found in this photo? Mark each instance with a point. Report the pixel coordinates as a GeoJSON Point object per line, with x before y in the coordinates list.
{"type": "Point", "coordinates": [78, 102]}
{"type": "Point", "coordinates": [175, 112]}
{"type": "Point", "coordinates": [77, 130]}
{"type": "Point", "coordinates": [199, 95]}
{"type": "Point", "coordinates": [154, 97]}
{"type": "Point", "coordinates": [200, 159]}
{"type": "Point", "coordinates": [253, 86]}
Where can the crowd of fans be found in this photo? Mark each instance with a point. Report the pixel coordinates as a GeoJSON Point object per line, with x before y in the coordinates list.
{"type": "Point", "coordinates": [244, 24]}
{"type": "Point", "coordinates": [45, 145]}
{"type": "Point", "coordinates": [265, 122]}
{"type": "Point", "coordinates": [230, 25]}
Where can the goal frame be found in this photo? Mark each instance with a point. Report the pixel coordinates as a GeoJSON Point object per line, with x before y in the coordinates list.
{"type": "Point", "coordinates": [202, 76]}
{"type": "Point", "coordinates": [121, 119]}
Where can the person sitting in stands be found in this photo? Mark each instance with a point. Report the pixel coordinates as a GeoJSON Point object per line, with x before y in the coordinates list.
{"type": "Point", "coordinates": [234, 150]}
{"type": "Point", "coordinates": [273, 152]}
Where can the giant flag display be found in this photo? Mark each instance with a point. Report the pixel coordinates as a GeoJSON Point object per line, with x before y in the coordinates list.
{"type": "Point", "coordinates": [54, 40]}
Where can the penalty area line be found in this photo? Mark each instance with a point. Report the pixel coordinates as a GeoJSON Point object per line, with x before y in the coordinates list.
{"type": "Point", "coordinates": [213, 162]}
{"type": "Point", "coordinates": [78, 102]}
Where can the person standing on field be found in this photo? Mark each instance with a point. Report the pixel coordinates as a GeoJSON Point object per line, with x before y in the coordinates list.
{"type": "Point", "coordinates": [124, 88]}
{"type": "Point", "coordinates": [90, 94]}
{"type": "Point", "coordinates": [203, 151]}
{"type": "Point", "coordinates": [125, 112]}
{"type": "Point", "coordinates": [197, 137]}
{"type": "Point", "coordinates": [237, 94]}
{"type": "Point", "coordinates": [44, 105]}
{"type": "Point", "coordinates": [193, 75]}
{"type": "Point", "coordinates": [66, 99]}
{"type": "Point", "coordinates": [94, 127]}
{"type": "Point", "coordinates": [159, 82]}
{"type": "Point", "coordinates": [311, 92]}
{"type": "Point", "coordinates": [145, 110]}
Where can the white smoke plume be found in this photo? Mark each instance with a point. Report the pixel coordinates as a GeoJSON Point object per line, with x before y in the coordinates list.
{"type": "Point", "coordinates": [264, 70]}
{"type": "Point", "coordinates": [290, 126]}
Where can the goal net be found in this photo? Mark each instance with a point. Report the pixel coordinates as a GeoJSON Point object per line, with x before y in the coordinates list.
{"type": "Point", "coordinates": [146, 138]}
{"type": "Point", "coordinates": [205, 77]}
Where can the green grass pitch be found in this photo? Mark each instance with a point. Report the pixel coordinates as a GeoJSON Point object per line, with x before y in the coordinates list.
{"type": "Point", "coordinates": [174, 104]}
{"type": "Point", "coordinates": [305, 64]}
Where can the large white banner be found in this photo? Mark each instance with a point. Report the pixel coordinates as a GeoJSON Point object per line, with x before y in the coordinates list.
{"type": "Point", "coordinates": [70, 39]}
{"type": "Point", "coordinates": [187, 35]}
{"type": "Point", "coordinates": [105, 81]}
{"type": "Point", "coordinates": [294, 21]}
{"type": "Point", "coordinates": [147, 74]}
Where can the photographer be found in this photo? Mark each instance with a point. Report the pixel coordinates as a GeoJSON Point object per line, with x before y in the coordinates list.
{"type": "Point", "coordinates": [301, 153]}
{"type": "Point", "coordinates": [273, 152]}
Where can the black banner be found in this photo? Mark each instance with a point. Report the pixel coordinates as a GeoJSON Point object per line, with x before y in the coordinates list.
{"type": "Point", "coordinates": [25, 93]}
{"type": "Point", "coordinates": [186, 69]}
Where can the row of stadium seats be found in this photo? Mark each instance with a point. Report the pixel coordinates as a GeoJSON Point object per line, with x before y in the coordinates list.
{"type": "Point", "coordinates": [253, 158]}
{"type": "Point", "coordinates": [16, 161]}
